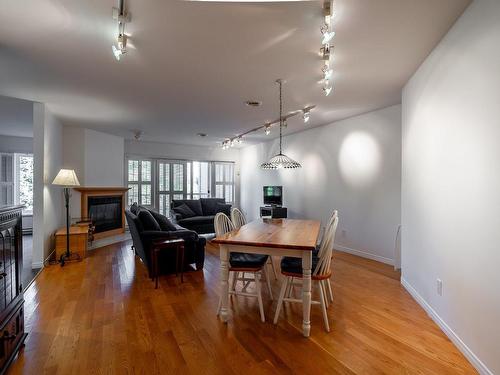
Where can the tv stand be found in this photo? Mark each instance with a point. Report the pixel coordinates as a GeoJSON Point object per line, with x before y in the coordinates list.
{"type": "Point", "coordinates": [275, 212]}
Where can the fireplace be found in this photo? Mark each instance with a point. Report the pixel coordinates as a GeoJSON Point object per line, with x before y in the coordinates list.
{"type": "Point", "coordinates": [105, 206]}
{"type": "Point", "coordinates": [105, 212]}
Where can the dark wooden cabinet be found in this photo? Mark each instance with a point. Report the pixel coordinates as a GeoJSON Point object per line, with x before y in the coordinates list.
{"type": "Point", "coordinates": [12, 333]}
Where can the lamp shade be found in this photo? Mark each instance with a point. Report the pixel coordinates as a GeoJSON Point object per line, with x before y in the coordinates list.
{"type": "Point", "coordinates": [66, 177]}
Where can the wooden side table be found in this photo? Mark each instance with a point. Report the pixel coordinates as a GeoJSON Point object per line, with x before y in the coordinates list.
{"type": "Point", "coordinates": [158, 246]}
{"type": "Point", "coordinates": [78, 239]}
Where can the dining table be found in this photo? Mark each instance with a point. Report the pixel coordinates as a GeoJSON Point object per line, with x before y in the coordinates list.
{"type": "Point", "coordinates": [274, 237]}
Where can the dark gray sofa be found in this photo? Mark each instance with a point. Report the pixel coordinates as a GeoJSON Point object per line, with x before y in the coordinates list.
{"type": "Point", "coordinates": [204, 209]}
{"type": "Point", "coordinates": [142, 239]}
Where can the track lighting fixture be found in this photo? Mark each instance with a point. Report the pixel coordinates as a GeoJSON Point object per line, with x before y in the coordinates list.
{"type": "Point", "coordinates": [305, 115]}
{"type": "Point", "coordinates": [119, 15]}
{"type": "Point", "coordinates": [267, 129]}
{"type": "Point", "coordinates": [326, 51]}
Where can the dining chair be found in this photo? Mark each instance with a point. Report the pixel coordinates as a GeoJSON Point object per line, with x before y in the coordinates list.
{"type": "Point", "coordinates": [291, 268]}
{"type": "Point", "coordinates": [239, 219]}
{"type": "Point", "coordinates": [241, 264]}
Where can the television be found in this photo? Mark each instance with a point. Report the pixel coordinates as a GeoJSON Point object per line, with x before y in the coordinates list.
{"type": "Point", "coordinates": [273, 195]}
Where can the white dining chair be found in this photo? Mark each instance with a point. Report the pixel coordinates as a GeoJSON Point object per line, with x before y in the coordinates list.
{"type": "Point", "coordinates": [291, 268]}
{"type": "Point", "coordinates": [239, 219]}
{"type": "Point", "coordinates": [241, 264]}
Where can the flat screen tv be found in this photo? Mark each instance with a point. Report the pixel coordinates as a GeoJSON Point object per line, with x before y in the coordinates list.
{"type": "Point", "coordinates": [273, 195]}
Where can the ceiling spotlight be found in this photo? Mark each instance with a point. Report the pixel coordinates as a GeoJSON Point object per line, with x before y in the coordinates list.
{"type": "Point", "coordinates": [327, 35]}
{"type": "Point", "coordinates": [121, 47]}
{"type": "Point", "coordinates": [239, 140]}
{"type": "Point", "coordinates": [267, 129]}
{"type": "Point", "coordinates": [231, 144]}
{"type": "Point", "coordinates": [305, 115]}
{"type": "Point", "coordinates": [327, 72]}
{"type": "Point", "coordinates": [327, 90]}
{"type": "Point", "coordinates": [138, 134]}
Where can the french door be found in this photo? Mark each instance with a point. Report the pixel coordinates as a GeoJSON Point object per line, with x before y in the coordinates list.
{"type": "Point", "coordinates": [172, 183]}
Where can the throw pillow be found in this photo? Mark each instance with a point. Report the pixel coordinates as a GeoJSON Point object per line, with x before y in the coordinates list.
{"type": "Point", "coordinates": [134, 208]}
{"type": "Point", "coordinates": [148, 221]}
{"type": "Point", "coordinates": [163, 221]}
{"type": "Point", "coordinates": [224, 208]}
{"type": "Point", "coordinates": [184, 210]}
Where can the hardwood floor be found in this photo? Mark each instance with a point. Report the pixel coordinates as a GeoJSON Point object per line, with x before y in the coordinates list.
{"type": "Point", "coordinates": [103, 316]}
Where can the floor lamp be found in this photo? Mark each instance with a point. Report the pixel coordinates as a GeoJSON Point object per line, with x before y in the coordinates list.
{"type": "Point", "coordinates": [67, 179]}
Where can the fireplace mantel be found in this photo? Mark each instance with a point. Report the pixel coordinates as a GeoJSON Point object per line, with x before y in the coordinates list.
{"type": "Point", "coordinates": [102, 191]}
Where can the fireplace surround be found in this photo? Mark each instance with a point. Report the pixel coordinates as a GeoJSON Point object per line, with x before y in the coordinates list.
{"type": "Point", "coordinates": [105, 206]}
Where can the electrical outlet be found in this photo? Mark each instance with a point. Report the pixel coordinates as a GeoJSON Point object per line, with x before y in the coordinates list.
{"type": "Point", "coordinates": [439, 287]}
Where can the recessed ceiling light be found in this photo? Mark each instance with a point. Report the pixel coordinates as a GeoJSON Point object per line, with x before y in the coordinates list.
{"type": "Point", "coordinates": [201, 134]}
{"type": "Point", "coordinates": [253, 103]}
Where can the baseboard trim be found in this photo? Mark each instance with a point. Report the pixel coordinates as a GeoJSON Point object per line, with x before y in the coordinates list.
{"type": "Point", "coordinates": [364, 254]}
{"type": "Point", "coordinates": [35, 265]}
{"type": "Point", "coordinates": [469, 354]}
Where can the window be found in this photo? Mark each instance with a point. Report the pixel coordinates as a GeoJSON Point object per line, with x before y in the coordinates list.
{"type": "Point", "coordinates": [16, 180]}
{"type": "Point", "coordinates": [140, 182]}
{"type": "Point", "coordinates": [224, 181]}
{"type": "Point", "coordinates": [155, 183]}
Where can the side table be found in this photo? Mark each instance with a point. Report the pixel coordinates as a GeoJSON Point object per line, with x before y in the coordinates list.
{"type": "Point", "coordinates": [160, 245]}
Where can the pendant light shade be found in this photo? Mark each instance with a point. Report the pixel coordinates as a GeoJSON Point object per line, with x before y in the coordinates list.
{"type": "Point", "coordinates": [281, 161]}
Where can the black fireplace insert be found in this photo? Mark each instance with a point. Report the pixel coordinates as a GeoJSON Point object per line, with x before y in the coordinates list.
{"type": "Point", "coordinates": [105, 212]}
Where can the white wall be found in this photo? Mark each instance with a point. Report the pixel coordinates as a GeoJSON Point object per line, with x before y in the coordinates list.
{"type": "Point", "coordinates": [183, 152]}
{"type": "Point", "coordinates": [352, 165]}
{"type": "Point", "coordinates": [10, 144]}
{"type": "Point", "coordinates": [451, 184]}
{"type": "Point", "coordinates": [48, 199]}
{"type": "Point", "coordinates": [96, 157]}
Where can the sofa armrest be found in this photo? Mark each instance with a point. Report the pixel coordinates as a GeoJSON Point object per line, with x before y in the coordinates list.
{"type": "Point", "coordinates": [185, 234]}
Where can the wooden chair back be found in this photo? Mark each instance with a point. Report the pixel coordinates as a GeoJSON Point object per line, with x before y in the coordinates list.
{"type": "Point", "coordinates": [237, 218]}
{"type": "Point", "coordinates": [326, 247]}
{"type": "Point", "coordinates": [222, 224]}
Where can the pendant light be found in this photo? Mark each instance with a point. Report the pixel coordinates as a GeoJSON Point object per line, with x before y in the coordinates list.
{"type": "Point", "coordinates": [280, 160]}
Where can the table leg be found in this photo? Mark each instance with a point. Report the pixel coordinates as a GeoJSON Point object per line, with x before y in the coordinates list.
{"type": "Point", "coordinates": [306, 292]}
{"type": "Point", "coordinates": [224, 284]}
{"type": "Point", "coordinates": [182, 262]}
{"type": "Point", "coordinates": [156, 267]}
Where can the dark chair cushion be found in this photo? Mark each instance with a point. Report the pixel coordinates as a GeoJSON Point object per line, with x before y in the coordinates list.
{"type": "Point", "coordinates": [184, 210]}
{"type": "Point", "coordinates": [243, 260]}
{"type": "Point", "coordinates": [294, 265]}
{"type": "Point", "coordinates": [209, 205]}
{"type": "Point", "coordinates": [147, 220]}
{"type": "Point", "coordinates": [193, 204]}
{"type": "Point", "coordinates": [163, 221]}
{"type": "Point", "coordinates": [196, 220]}
{"type": "Point", "coordinates": [224, 208]}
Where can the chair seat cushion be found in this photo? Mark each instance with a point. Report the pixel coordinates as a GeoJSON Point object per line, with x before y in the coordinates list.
{"type": "Point", "coordinates": [294, 265]}
{"type": "Point", "coordinates": [243, 260]}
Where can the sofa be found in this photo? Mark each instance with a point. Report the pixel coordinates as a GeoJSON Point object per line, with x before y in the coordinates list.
{"type": "Point", "coordinates": [198, 214]}
{"type": "Point", "coordinates": [148, 226]}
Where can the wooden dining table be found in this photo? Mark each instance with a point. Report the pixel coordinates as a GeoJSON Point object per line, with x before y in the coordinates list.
{"type": "Point", "coordinates": [275, 237]}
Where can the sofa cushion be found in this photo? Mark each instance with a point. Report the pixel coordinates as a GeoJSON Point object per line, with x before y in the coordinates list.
{"type": "Point", "coordinates": [224, 208]}
{"type": "Point", "coordinates": [209, 205]}
{"type": "Point", "coordinates": [134, 208]}
{"type": "Point", "coordinates": [147, 220]}
{"type": "Point", "coordinates": [197, 220]}
{"type": "Point", "coordinates": [243, 260]}
{"type": "Point", "coordinates": [193, 204]}
{"type": "Point", "coordinates": [163, 221]}
{"type": "Point", "coordinates": [184, 210]}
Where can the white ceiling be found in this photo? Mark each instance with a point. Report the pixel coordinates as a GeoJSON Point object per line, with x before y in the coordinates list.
{"type": "Point", "coordinates": [193, 64]}
{"type": "Point", "coordinates": [16, 117]}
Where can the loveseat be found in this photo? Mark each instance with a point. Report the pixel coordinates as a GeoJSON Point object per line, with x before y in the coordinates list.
{"type": "Point", "coordinates": [198, 214]}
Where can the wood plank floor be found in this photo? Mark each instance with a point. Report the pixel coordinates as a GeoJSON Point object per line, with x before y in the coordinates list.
{"type": "Point", "coordinates": [103, 316]}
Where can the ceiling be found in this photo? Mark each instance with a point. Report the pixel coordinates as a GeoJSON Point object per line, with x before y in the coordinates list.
{"type": "Point", "coordinates": [16, 117]}
{"type": "Point", "coordinates": [192, 65]}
